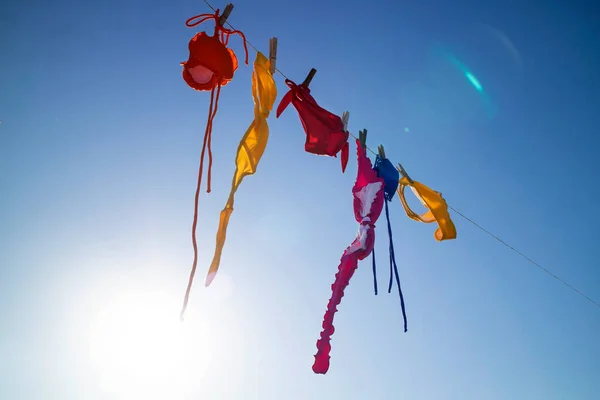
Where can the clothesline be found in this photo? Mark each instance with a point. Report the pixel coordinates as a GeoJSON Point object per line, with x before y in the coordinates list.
{"type": "Point", "coordinates": [530, 260]}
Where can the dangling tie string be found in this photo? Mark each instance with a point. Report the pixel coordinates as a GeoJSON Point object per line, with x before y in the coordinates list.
{"type": "Point", "coordinates": [374, 272]}
{"type": "Point", "coordinates": [391, 249]}
{"type": "Point", "coordinates": [195, 221]}
{"type": "Point", "coordinates": [201, 18]}
{"type": "Point", "coordinates": [224, 37]}
{"type": "Point", "coordinates": [209, 133]}
{"type": "Point", "coordinates": [229, 32]}
{"type": "Point", "coordinates": [395, 267]}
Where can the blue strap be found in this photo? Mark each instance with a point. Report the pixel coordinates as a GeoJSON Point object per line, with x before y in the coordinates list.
{"type": "Point", "coordinates": [395, 267]}
{"type": "Point", "coordinates": [390, 175]}
{"type": "Point", "coordinates": [374, 273]}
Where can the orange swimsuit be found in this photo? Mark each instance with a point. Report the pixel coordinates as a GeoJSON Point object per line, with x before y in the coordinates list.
{"type": "Point", "coordinates": [437, 208]}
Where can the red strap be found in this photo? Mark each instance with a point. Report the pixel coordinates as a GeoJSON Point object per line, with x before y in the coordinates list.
{"type": "Point", "coordinates": [212, 112]}
{"type": "Point", "coordinates": [345, 154]}
{"type": "Point", "coordinates": [201, 18]}
{"type": "Point", "coordinates": [287, 98]}
{"type": "Point", "coordinates": [285, 101]}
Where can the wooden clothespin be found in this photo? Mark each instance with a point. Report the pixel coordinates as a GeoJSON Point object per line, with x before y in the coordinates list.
{"type": "Point", "coordinates": [403, 172]}
{"type": "Point", "coordinates": [381, 151]}
{"type": "Point", "coordinates": [273, 54]}
{"type": "Point", "coordinates": [362, 138]}
{"type": "Point", "coordinates": [309, 77]}
{"type": "Point", "coordinates": [345, 118]}
{"type": "Point", "coordinates": [228, 9]}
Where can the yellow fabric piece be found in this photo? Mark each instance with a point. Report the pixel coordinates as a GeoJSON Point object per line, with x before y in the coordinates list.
{"type": "Point", "coordinates": [250, 150]}
{"type": "Point", "coordinates": [437, 208]}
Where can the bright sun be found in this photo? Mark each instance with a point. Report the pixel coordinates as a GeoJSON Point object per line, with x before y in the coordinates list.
{"type": "Point", "coordinates": [142, 350]}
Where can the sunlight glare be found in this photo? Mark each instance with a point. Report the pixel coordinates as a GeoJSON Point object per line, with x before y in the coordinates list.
{"type": "Point", "coordinates": [140, 347]}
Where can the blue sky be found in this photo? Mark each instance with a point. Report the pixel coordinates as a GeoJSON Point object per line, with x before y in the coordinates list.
{"type": "Point", "coordinates": [99, 146]}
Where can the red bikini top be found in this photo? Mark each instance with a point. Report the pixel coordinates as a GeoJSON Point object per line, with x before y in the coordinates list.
{"type": "Point", "coordinates": [325, 133]}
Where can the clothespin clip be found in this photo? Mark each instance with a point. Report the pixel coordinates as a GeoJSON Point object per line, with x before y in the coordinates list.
{"type": "Point", "coordinates": [381, 151]}
{"type": "Point", "coordinates": [362, 138]}
{"type": "Point", "coordinates": [309, 77]}
{"type": "Point", "coordinates": [273, 54]}
{"type": "Point", "coordinates": [228, 9]}
{"type": "Point", "coordinates": [345, 118]}
{"type": "Point", "coordinates": [403, 172]}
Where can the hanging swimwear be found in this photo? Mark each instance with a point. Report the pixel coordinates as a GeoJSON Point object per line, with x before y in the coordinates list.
{"type": "Point", "coordinates": [210, 65]}
{"type": "Point", "coordinates": [368, 204]}
{"type": "Point", "coordinates": [437, 208]}
{"type": "Point", "coordinates": [250, 149]}
{"type": "Point", "coordinates": [390, 175]}
{"type": "Point", "coordinates": [325, 132]}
